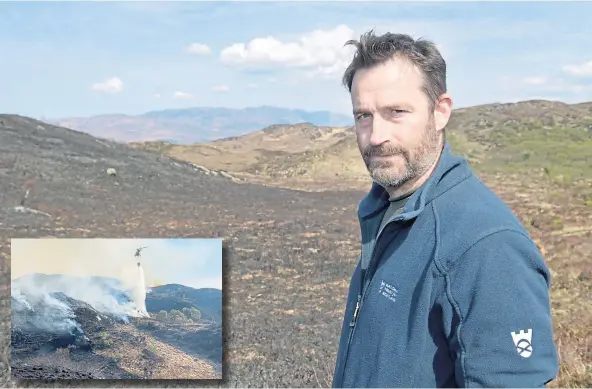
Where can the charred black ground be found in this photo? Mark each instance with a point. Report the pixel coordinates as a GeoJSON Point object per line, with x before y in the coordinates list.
{"type": "Point", "coordinates": [287, 252]}
{"type": "Point", "coordinates": [55, 336]}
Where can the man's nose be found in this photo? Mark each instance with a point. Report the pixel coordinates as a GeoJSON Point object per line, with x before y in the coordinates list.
{"type": "Point", "coordinates": [380, 131]}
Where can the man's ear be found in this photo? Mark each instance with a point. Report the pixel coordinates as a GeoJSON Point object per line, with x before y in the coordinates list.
{"type": "Point", "coordinates": [442, 111]}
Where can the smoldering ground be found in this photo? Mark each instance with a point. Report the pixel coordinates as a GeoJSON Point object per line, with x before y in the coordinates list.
{"type": "Point", "coordinates": [39, 300]}
{"type": "Point", "coordinates": [79, 306]}
{"type": "Point", "coordinates": [103, 273]}
{"type": "Point", "coordinates": [105, 276]}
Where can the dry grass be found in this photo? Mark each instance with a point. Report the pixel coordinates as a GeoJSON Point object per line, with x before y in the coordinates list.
{"type": "Point", "coordinates": [567, 249]}
{"type": "Point", "coordinates": [161, 360]}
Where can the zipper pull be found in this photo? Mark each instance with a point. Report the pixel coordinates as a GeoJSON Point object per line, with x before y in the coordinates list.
{"type": "Point", "coordinates": [354, 318]}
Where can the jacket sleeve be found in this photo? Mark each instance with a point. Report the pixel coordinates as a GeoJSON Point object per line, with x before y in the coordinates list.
{"type": "Point", "coordinates": [502, 332]}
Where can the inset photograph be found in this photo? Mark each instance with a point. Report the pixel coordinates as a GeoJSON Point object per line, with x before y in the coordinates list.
{"type": "Point", "coordinates": [116, 309]}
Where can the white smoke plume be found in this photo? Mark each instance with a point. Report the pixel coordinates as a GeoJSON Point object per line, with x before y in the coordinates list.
{"type": "Point", "coordinates": [111, 282]}
{"type": "Point", "coordinates": [41, 311]}
{"type": "Point", "coordinates": [99, 293]}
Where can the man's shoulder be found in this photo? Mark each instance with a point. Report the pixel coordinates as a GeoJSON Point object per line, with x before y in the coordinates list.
{"type": "Point", "coordinates": [469, 213]}
{"type": "Point", "coordinates": [472, 206]}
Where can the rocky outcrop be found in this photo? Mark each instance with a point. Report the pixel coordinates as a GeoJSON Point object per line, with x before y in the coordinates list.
{"type": "Point", "coordinates": [212, 172]}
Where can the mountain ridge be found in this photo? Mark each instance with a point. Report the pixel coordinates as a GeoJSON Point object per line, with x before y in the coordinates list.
{"type": "Point", "coordinates": [195, 124]}
{"type": "Point", "coordinates": [495, 138]}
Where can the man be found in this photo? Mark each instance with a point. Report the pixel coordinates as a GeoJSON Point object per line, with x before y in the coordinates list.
{"type": "Point", "coordinates": [450, 290]}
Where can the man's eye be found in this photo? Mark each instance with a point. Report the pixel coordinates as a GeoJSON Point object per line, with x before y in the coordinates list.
{"type": "Point", "coordinates": [361, 116]}
{"type": "Point", "coordinates": [398, 111]}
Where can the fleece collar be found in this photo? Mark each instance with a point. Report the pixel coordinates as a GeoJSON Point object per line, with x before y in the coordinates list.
{"type": "Point", "coordinates": [450, 170]}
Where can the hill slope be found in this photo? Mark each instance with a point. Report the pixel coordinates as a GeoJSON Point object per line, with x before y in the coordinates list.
{"type": "Point", "coordinates": [200, 124]}
{"type": "Point", "coordinates": [60, 330]}
{"type": "Point", "coordinates": [525, 137]}
{"type": "Point", "coordinates": [277, 261]}
{"type": "Point", "coordinates": [241, 153]}
{"type": "Point", "coordinates": [173, 296]}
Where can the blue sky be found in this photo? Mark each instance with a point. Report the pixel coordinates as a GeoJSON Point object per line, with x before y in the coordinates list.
{"type": "Point", "coordinates": [192, 262]}
{"type": "Point", "coordinates": [88, 58]}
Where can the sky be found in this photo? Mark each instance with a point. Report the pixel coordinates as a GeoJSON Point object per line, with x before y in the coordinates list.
{"type": "Point", "coordinates": [191, 262]}
{"type": "Point", "coordinates": [63, 59]}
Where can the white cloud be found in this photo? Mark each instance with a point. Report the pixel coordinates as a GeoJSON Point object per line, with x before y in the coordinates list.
{"type": "Point", "coordinates": [535, 80]}
{"type": "Point", "coordinates": [198, 48]}
{"type": "Point", "coordinates": [581, 70]}
{"type": "Point", "coordinates": [182, 95]}
{"type": "Point", "coordinates": [321, 52]}
{"type": "Point", "coordinates": [157, 95]}
{"type": "Point", "coordinates": [111, 85]}
{"type": "Point", "coordinates": [221, 88]}
{"type": "Point", "coordinates": [253, 86]}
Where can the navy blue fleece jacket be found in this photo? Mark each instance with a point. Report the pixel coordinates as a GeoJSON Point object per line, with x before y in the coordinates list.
{"type": "Point", "coordinates": [452, 292]}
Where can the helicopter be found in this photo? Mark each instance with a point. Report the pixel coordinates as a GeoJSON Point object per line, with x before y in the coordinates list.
{"type": "Point", "coordinates": [138, 251]}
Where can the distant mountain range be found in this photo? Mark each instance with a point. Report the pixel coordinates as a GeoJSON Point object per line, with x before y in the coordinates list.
{"type": "Point", "coordinates": [200, 124]}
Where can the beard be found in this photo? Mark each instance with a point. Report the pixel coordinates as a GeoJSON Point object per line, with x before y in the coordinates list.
{"type": "Point", "coordinates": [417, 161]}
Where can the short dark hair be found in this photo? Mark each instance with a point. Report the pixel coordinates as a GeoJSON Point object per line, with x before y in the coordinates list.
{"type": "Point", "coordinates": [374, 49]}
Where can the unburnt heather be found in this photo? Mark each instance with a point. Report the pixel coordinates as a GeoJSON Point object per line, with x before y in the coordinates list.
{"type": "Point", "coordinates": [523, 138]}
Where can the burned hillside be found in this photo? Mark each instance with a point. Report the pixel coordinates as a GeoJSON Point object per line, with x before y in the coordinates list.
{"type": "Point", "coordinates": [286, 269]}
{"type": "Point", "coordinates": [90, 341]}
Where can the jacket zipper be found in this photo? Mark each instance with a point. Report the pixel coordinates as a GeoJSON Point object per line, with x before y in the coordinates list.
{"type": "Point", "coordinates": [353, 321]}
{"type": "Point", "coordinates": [360, 301]}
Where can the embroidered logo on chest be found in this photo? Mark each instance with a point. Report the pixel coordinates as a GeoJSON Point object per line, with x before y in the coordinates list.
{"type": "Point", "coordinates": [387, 290]}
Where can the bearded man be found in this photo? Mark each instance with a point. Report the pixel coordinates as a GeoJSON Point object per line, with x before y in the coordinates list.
{"type": "Point", "coordinates": [450, 290]}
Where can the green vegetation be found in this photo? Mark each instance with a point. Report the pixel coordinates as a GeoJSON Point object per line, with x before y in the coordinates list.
{"type": "Point", "coordinates": [104, 339]}
{"type": "Point", "coordinates": [543, 140]}
{"type": "Point", "coordinates": [564, 153]}
{"type": "Point", "coordinates": [184, 316]}
{"type": "Point", "coordinates": [152, 348]}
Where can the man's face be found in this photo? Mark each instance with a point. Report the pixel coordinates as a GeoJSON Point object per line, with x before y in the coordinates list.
{"type": "Point", "coordinates": [397, 133]}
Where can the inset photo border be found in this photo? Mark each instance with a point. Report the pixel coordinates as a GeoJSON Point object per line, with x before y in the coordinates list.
{"type": "Point", "coordinates": [116, 309]}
